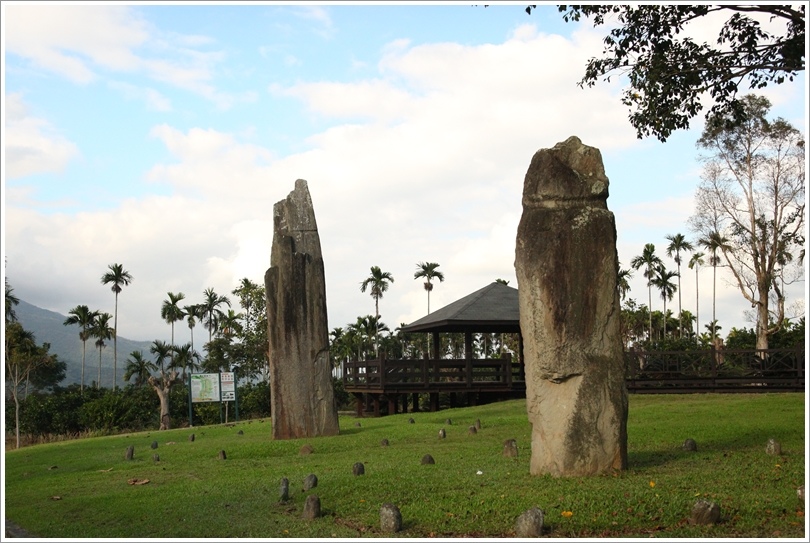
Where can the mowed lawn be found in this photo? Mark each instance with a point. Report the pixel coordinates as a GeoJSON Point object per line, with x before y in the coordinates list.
{"type": "Point", "coordinates": [84, 488]}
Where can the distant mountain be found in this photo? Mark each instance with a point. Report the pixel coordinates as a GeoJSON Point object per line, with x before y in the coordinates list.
{"type": "Point", "coordinates": [47, 327]}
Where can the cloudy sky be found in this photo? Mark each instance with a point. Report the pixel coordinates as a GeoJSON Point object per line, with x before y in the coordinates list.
{"type": "Point", "coordinates": [160, 136]}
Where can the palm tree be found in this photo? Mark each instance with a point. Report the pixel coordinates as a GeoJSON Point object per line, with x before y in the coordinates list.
{"type": "Point", "coordinates": [102, 331]}
{"type": "Point", "coordinates": [246, 292]}
{"type": "Point", "coordinates": [378, 282]}
{"type": "Point", "coordinates": [211, 312]}
{"type": "Point", "coordinates": [171, 312]}
{"type": "Point", "coordinates": [696, 262]}
{"type": "Point", "coordinates": [162, 351]}
{"type": "Point", "coordinates": [624, 284]}
{"type": "Point", "coordinates": [677, 244]}
{"type": "Point", "coordinates": [85, 318]}
{"type": "Point", "coordinates": [649, 261]}
{"type": "Point", "coordinates": [139, 367]}
{"type": "Point", "coordinates": [193, 314]}
{"type": "Point", "coordinates": [119, 278]}
{"type": "Point", "coordinates": [11, 301]}
{"type": "Point", "coordinates": [667, 288]}
{"type": "Point", "coordinates": [186, 359]}
{"type": "Point", "coordinates": [428, 271]}
{"type": "Point", "coordinates": [712, 243]}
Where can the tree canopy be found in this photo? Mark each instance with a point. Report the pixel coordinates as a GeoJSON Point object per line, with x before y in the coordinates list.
{"type": "Point", "coordinates": [670, 73]}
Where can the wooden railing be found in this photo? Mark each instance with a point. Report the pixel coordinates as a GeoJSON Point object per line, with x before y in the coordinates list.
{"type": "Point", "coordinates": [716, 370]}
{"type": "Point", "coordinates": [427, 375]}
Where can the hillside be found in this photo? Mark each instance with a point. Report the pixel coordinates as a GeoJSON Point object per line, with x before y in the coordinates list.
{"type": "Point", "coordinates": [47, 327]}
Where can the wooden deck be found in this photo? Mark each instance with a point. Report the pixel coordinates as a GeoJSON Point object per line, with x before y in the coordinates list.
{"type": "Point", "coordinates": [394, 380]}
{"type": "Point", "coordinates": [660, 372]}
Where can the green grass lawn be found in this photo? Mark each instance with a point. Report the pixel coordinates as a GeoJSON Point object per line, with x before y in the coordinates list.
{"type": "Point", "coordinates": [80, 489]}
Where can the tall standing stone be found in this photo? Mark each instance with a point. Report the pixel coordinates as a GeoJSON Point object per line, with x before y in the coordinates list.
{"type": "Point", "coordinates": [567, 271]}
{"type": "Point", "coordinates": [301, 395]}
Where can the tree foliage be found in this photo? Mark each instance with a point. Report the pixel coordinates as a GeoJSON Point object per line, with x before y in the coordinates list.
{"type": "Point", "coordinates": [752, 195]}
{"type": "Point", "coordinates": [670, 74]}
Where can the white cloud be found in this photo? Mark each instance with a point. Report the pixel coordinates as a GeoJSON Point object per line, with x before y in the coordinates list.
{"type": "Point", "coordinates": [32, 145]}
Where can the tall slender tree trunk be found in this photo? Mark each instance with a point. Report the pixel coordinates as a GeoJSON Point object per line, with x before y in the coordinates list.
{"type": "Point", "coordinates": [98, 383]}
{"type": "Point", "coordinates": [697, 304]}
{"type": "Point", "coordinates": [84, 355]}
{"type": "Point", "coordinates": [714, 300]}
{"type": "Point", "coordinates": [680, 311]}
{"type": "Point", "coordinates": [115, 344]}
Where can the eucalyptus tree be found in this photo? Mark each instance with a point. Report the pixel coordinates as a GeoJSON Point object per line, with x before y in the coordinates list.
{"type": "Point", "coordinates": [377, 284]}
{"type": "Point", "coordinates": [678, 244]}
{"type": "Point", "coordinates": [429, 271]}
{"type": "Point", "coordinates": [714, 242]}
{"type": "Point", "coordinates": [139, 367]}
{"type": "Point", "coordinates": [211, 311]}
{"type": "Point", "coordinates": [22, 357]}
{"type": "Point", "coordinates": [695, 262]}
{"type": "Point", "coordinates": [171, 312]}
{"type": "Point", "coordinates": [650, 262]}
{"type": "Point", "coordinates": [84, 318]}
{"type": "Point", "coordinates": [102, 331]}
{"type": "Point", "coordinates": [752, 192]}
{"type": "Point", "coordinates": [663, 282]}
{"type": "Point", "coordinates": [119, 278]}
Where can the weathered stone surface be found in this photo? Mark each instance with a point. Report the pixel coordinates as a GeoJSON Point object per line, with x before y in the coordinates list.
{"type": "Point", "coordinates": [529, 524]}
{"type": "Point", "coordinates": [390, 518]}
{"type": "Point", "coordinates": [773, 447]}
{"type": "Point", "coordinates": [411, 421]}
{"type": "Point", "coordinates": [358, 468]}
{"type": "Point", "coordinates": [312, 507]}
{"type": "Point", "coordinates": [442, 434]}
{"type": "Point", "coordinates": [477, 424]}
{"type": "Point", "coordinates": [384, 442]}
{"type": "Point", "coordinates": [306, 449]}
{"type": "Point", "coordinates": [705, 512]}
{"type": "Point", "coordinates": [800, 493]}
{"type": "Point", "coordinates": [690, 445]}
{"type": "Point", "coordinates": [567, 271]}
{"type": "Point", "coordinates": [448, 422]}
{"type": "Point", "coordinates": [191, 437]}
{"type": "Point", "coordinates": [310, 481]}
{"type": "Point", "coordinates": [222, 455]}
{"type": "Point", "coordinates": [284, 490]}
{"type": "Point", "coordinates": [154, 445]}
{"type": "Point", "coordinates": [428, 459]}
{"type": "Point", "coordinates": [156, 458]}
{"type": "Point", "coordinates": [510, 448]}
{"type": "Point", "coordinates": [472, 430]}
{"type": "Point", "coordinates": [130, 452]}
{"type": "Point", "coordinates": [302, 399]}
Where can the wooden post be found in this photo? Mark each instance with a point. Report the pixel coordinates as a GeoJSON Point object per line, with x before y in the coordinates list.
{"type": "Point", "coordinates": [376, 401]}
{"type": "Point", "coordinates": [392, 405]}
{"type": "Point", "coordinates": [415, 397]}
{"type": "Point", "coordinates": [434, 401]}
{"type": "Point", "coordinates": [468, 354]}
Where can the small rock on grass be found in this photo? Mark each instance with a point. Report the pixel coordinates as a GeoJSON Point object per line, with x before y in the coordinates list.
{"type": "Point", "coordinates": [310, 481]}
{"type": "Point", "coordinates": [390, 518]}
{"type": "Point", "coordinates": [427, 459]}
{"type": "Point", "coordinates": [530, 523]}
{"type": "Point", "coordinates": [312, 507]}
{"type": "Point", "coordinates": [705, 512]}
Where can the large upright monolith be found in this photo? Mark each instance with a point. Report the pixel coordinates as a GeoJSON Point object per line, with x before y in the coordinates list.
{"type": "Point", "coordinates": [567, 271]}
{"type": "Point", "coordinates": [301, 394]}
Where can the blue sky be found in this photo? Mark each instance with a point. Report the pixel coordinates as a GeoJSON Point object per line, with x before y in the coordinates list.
{"type": "Point", "coordinates": [160, 136]}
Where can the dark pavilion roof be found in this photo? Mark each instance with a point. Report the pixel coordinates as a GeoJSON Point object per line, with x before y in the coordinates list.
{"type": "Point", "coordinates": [493, 308]}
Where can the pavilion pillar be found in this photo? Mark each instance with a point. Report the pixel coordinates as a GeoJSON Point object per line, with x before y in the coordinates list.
{"type": "Point", "coordinates": [415, 398]}
{"type": "Point", "coordinates": [392, 405]}
{"type": "Point", "coordinates": [376, 401]}
{"type": "Point", "coordinates": [468, 356]}
{"type": "Point", "coordinates": [434, 401]}
{"type": "Point", "coordinates": [358, 404]}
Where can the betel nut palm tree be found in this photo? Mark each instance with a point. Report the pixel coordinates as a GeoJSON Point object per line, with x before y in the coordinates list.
{"type": "Point", "coordinates": [139, 367]}
{"type": "Point", "coordinates": [84, 318]}
{"type": "Point", "coordinates": [714, 242]}
{"type": "Point", "coordinates": [695, 263]}
{"type": "Point", "coordinates": [171, 312]}
{"type": "Point", "coordinates": [102, 331]}
{"type": "Point", "coordinates": [649, 261]}
{"type": "Point", "coordinates": [663, 283]}
{"type": "Point", "coordinates": [428, 271]}
{"type": "Point", "coordinates": [377, 283]}
{"type": "Point", "coordinates": [211, 311]}
{"type": "Point", "coordinates": [678, 244]}
{"type": "Point", "coordinates": [119, 278]}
